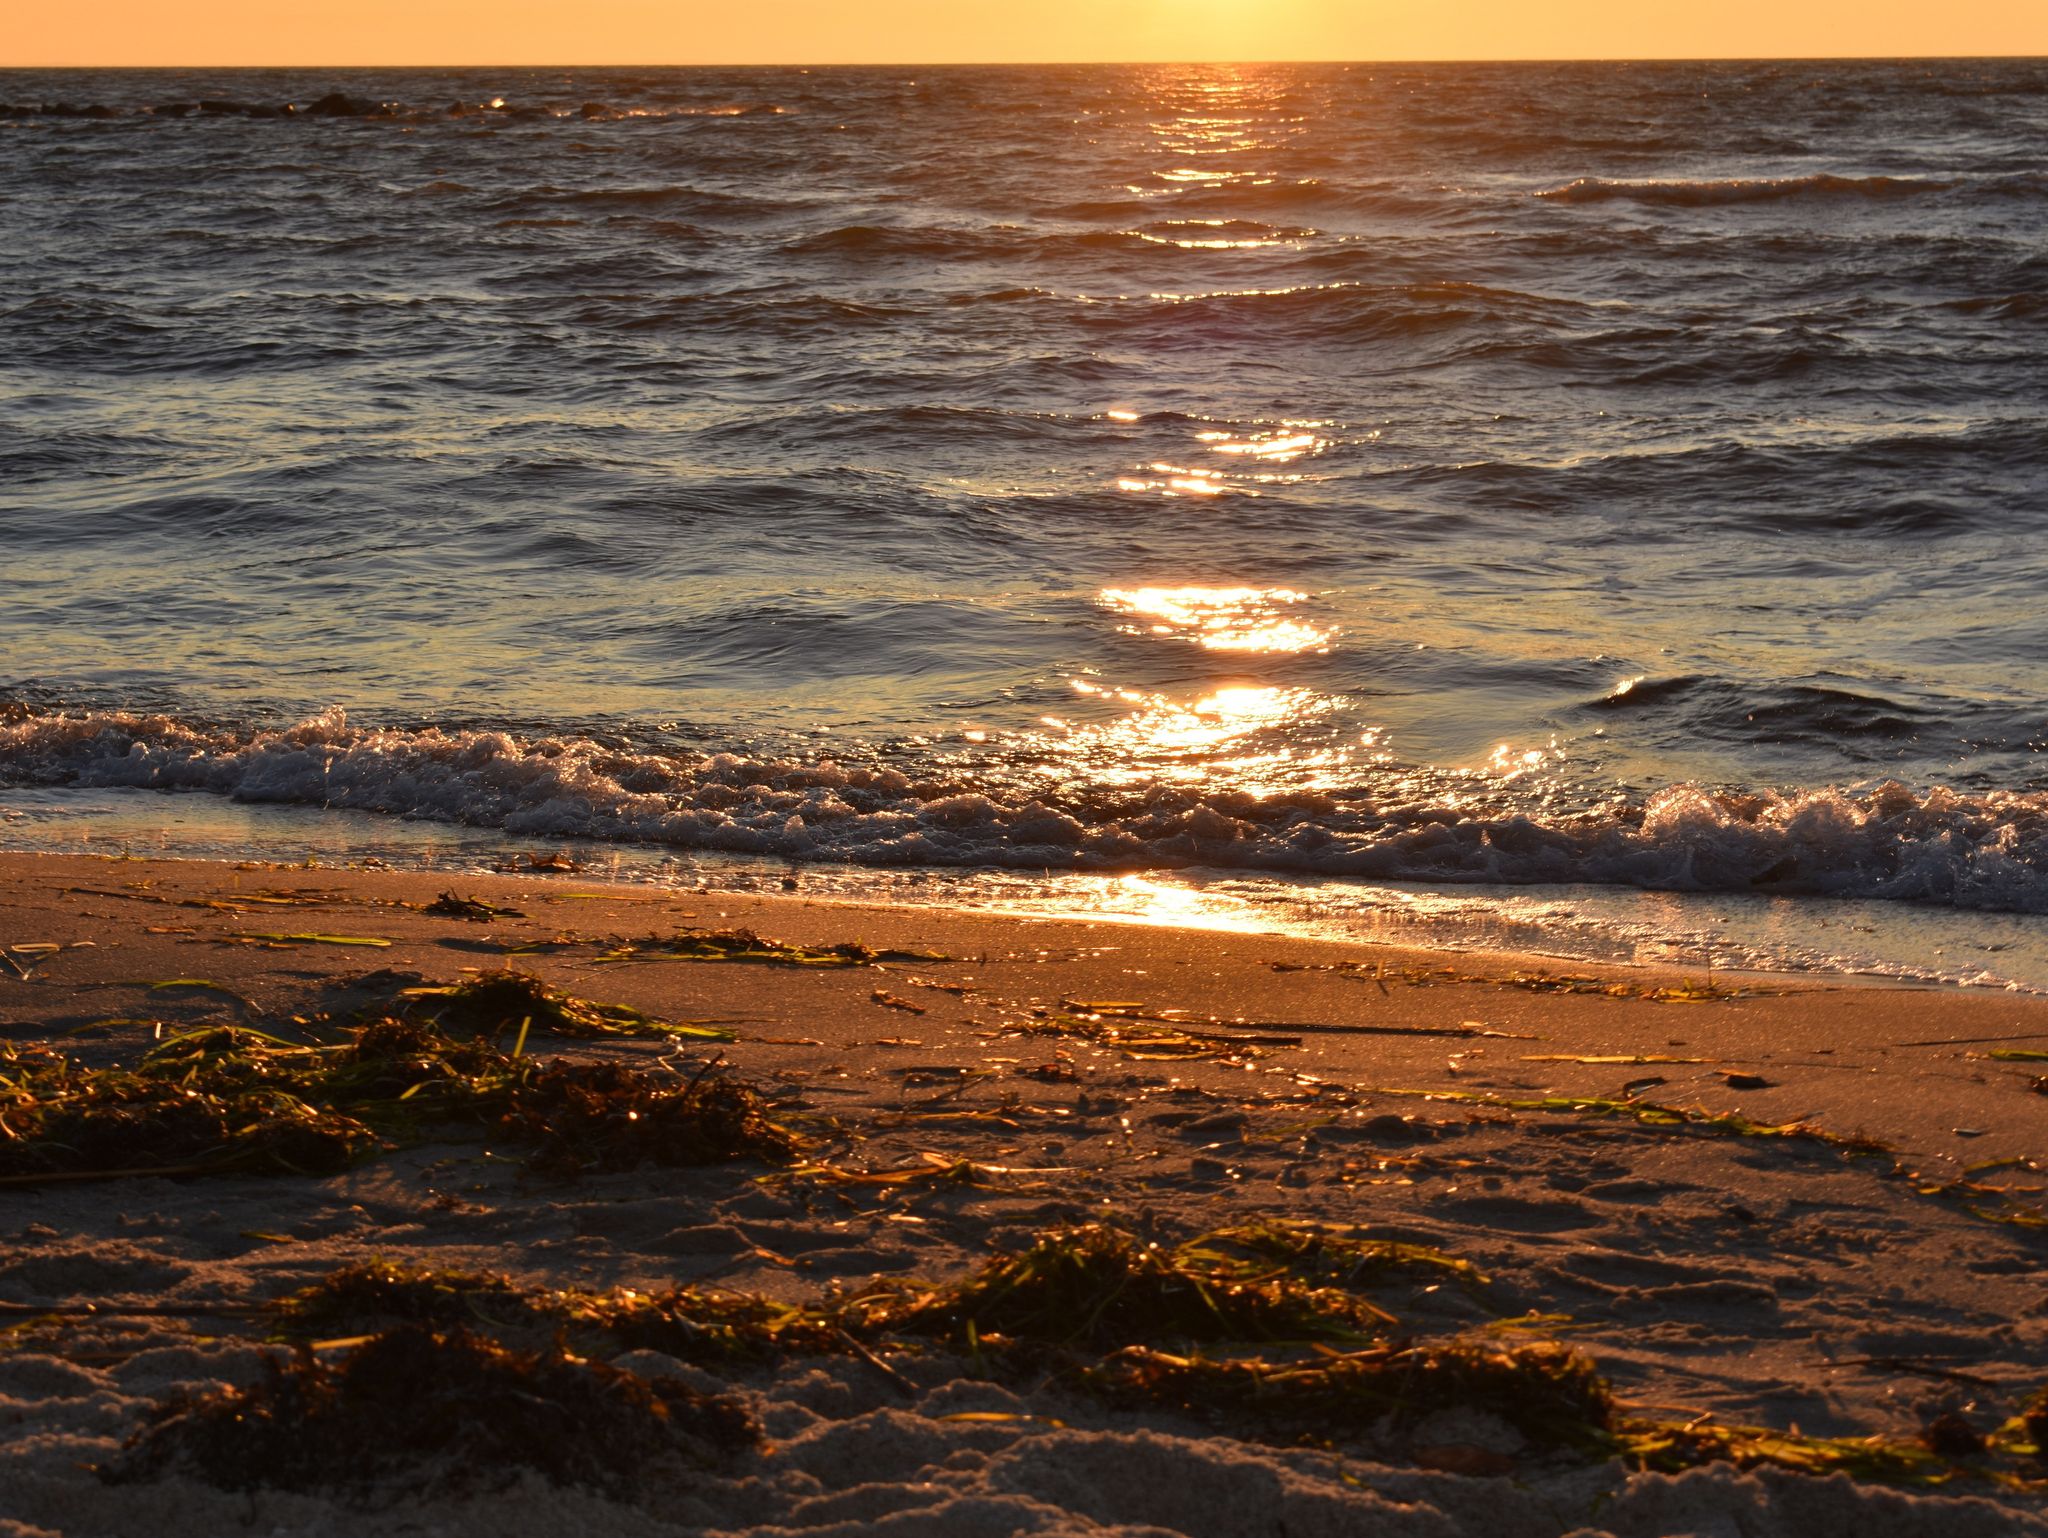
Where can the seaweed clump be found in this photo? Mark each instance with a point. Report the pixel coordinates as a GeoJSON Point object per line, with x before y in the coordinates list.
{"type": "Point", "coordinates": [578, 1117]}
{"type": "Point", "coordinates": [449, 905]}
{"type": "Point", "coordinates": [1094, 1285]}
{"type": "Point", "coordinates": [1551, 1394]}
{"type": "Point", "coordinates": [232, 1099]}
{"type": "Point", "coordinates": [1673, 1448]}
{"type": "Point", "coordinates": [378, 1294]}
{"type": "Point", "coordinates": [185, 1108]}
{"type": "Point", "coordinates": [416, 1411]}
{"type": "Point", "coordinates": [2033, 1419]}
{"type": "Point", "coordinates": [1223, 1329]}
{"type": "Point", "coordinates": [714, 1328]}
{"type": "Point", "coordinates": [501, 1002]}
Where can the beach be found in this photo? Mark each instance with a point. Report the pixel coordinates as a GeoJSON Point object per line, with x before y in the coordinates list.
{"type": "Point", "coordinates": [1188, 801]}
{"type": "Point", "coordinates": [1804, 1206]}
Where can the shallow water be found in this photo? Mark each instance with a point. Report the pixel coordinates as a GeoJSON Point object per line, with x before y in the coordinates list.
{"type": "Point", "coordinates": [1626, 479]}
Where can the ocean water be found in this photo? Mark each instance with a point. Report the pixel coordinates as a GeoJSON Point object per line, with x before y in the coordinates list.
{"type": "Point", "coordinates": [1598, 508]}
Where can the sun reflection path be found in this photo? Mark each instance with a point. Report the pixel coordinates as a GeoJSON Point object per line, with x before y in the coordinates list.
{"type": "Point", "coordinates": [1277, 447]}
{"type": "Point", "coordinates": [1230, 619]}
{"type": "Point", "coordinates": [1174, 481]}
{"type": "Point", "coordinates": [1508, 762]}
{"type": "Point", "coordinates": [1141, 900]}
{"type": "Point", "coordinates": [1263, 455]}
{"type": "Point", "coordinates": [1248, 737]}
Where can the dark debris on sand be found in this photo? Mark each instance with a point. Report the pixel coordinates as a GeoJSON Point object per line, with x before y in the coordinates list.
{"type": "Point", "coordinates": [230, 1099]}
{"type": "Point", "coordinates": [416, 1410]}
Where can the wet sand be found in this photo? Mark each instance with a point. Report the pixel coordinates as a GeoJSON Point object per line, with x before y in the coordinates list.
{"type": "Point", "coordinates": [1857, 1282]}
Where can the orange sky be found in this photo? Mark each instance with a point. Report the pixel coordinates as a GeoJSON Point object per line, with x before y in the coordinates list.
{"type": "Point", "coordinates": [332, 32]}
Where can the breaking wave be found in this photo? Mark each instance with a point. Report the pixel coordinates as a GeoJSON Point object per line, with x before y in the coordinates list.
{"type": "Point", "coordinates": [1981, 850]}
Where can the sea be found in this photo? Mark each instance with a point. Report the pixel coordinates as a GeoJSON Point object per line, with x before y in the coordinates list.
{"type": "Point", "coordinates": [1598, 510]}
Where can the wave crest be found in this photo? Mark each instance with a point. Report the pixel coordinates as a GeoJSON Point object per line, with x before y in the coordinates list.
{"type": "Point", "coordinates": [1985, 850]}
{"type": "Point", "coordinates": [1714, 193]}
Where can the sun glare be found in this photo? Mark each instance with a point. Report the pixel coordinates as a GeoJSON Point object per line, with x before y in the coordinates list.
{"type": "Point", "coordinates": [1224, 619]}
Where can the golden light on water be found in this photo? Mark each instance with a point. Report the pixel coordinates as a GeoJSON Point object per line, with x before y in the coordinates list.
{"type": "Point", "coordinates": [1252, 456]}
{"type": "Point", "coordinates": [1277, 447]}
{"type": "Point", "coordinates": [1174, 481]}
{"type": "Point", "coordinates": [1231, 619]}
{"type": "Point", "coordinates": [1246, 733]}
{"type": "Point", "coordinates": [1510, 762]}
{"type": "Point", "coordinates": [1215, 235]}
{"type": "Point", "coordinates": [1243, 736]}
{"type": "Point", "coordinates": [1140, 900]}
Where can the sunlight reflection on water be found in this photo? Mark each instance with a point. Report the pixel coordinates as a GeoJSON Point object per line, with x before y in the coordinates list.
{"type": "Point", "coordinates": [1235, 619]}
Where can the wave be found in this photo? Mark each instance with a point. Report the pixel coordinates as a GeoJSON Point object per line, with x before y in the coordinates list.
{"type": "Point", "coordinates": [1826, 716]}
{"type": "Point", "coordinates": [1715, 193]}
{"type": "Point", "coordinates": [1335, 311]}
{"type": "Point", "coordinates": [1983, 850]}
{"type": "Point", "coordinates": [339, 104]}
{"type": "Point", "coordinates": [647, 201]}
{"type": "Point", "coordinates": [2022, 306]}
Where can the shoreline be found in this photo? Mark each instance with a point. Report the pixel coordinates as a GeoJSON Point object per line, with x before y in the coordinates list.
{"type": "Point", "coordinates": [1740, 1201]}
{"type": "Point", "coordinates": [1595, 926]}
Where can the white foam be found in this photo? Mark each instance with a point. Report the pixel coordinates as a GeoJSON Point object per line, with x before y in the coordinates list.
{"type": "Point", "coordinates": [1983, 850]}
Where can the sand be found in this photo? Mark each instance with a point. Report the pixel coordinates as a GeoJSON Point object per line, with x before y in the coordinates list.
{"type": "Point", "coordinates": [1778, 1282]}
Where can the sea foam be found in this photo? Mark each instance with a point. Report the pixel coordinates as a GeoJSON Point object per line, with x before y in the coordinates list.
{"type": "Point", "coordinates": [1984, 850]}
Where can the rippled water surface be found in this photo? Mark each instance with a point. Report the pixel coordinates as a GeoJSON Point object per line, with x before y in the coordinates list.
{"type": "Point", "coordinates": [1614, 477]}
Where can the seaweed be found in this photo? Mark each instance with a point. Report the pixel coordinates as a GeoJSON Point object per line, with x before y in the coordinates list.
{"type": "Point", "coordinates": [581, 1117]}
{"type": "Point", "coordinates": [1094, 1285]}
{"type": "Point", "coordinates": [514, 1000]}
{"type": "Point", "coordinates": [23, 959]}
{"type": "Point", "coordinates": [416, 1410]}
{"type": "Point", "coordinates": [1142, 1037]}
{"type": "Point", "coordinates": [1670, 1449]}
{"type": "Point", "coordinates": [711, 1327]}
{"type": "Point", "coordinates": [1648, 1113]}
{"type": "Point", "coordinates": [375, 942]}
{"type": "Point", "coordinates": [1686, 990]}
{"type": "Point", "coordinates": [688, 1323]}
{"type": "Point", "coordinates": [1551, 1394]}
{"type": "Point", "coordinates": [1327, 1257]}
{"type": "Point", "coordinates": [1991, 1203]}
{"type": "Point", "coordinates": [1260, 1033]}
{"type": "Point", "coordinates": [743, 945]}
{"type": "Point", "coordinates": [378, 1294]}
{"type": "Point", "coordinates": [168, 1115]}
{"type": "Point", "coordinates": [229, 1098]}
{"type": "Point", "coordinates": [1251, 1328]}
{"type": "Point", "coordinates": [2033, 1419]}
{"type": "Point", "coordinates": [450, 906]}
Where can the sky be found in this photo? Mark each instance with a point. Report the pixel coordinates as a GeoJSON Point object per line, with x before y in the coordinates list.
{"type": "Point", "coordinates": [398, 32]}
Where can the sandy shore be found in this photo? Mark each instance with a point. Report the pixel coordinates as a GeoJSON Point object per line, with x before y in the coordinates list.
{"type": "Point", "coordinates": [1489, 1106]}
